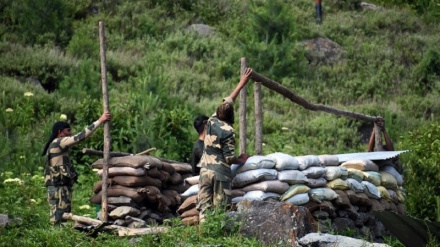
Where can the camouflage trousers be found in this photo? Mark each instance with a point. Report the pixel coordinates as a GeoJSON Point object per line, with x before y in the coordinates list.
{"type": "Point", "coordinates": [213, 194]}
{"type": "Point", "coordinates": [60, 200]}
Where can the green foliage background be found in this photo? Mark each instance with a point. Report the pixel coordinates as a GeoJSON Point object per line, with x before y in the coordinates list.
{"type": "Point", "coordinates": [162, 75]}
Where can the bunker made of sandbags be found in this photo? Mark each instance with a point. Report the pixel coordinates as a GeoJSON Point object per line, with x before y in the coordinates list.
{"type": "Point", "coordinates": [340, 191]}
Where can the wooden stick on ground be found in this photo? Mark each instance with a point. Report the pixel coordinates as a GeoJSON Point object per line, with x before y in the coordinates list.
{"type": "Point", "coordinates": [275, 86]}
{"type": "Point", "coordinates": [122, 231]}
{"type": "Point", "coordinates": [146, 151]}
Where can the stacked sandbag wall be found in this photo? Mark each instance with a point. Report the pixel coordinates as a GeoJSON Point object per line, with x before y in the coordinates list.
{"type": "Point", "coordinates": [141, 189]}
{"type": "Point", "coordinates": [340, 195]}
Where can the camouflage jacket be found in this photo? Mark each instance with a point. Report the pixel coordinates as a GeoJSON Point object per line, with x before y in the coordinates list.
{"type": "Point", "coordinates": [59, 170]}
{"type": "Point", "coordinates": [219, 148]}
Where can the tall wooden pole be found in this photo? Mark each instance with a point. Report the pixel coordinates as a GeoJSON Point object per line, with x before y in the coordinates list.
{"type": "Point", "coordinates": [378, 138]}
{"type": "Point", "coordinates": [242, 111]}
{"type": "Point", "coordinates": [106, 124]}
{"type": "Point", "coordinates": [258, 119]}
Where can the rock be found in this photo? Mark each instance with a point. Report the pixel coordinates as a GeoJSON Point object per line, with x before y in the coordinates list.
{"type": "Point", "coordinates": [327, 240]}
{"type": "Point", "coordinates": [323, 51]}
{"type": "Point", "coordinates": [4, 220]}
{"type": "Point", "coordinates": [287, 222]}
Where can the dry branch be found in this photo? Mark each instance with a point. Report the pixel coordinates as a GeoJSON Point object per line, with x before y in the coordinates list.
{"type": "Point", "coordinates": [275, 86]}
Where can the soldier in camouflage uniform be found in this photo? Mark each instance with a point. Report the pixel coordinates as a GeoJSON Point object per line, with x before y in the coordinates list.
{"type": "Point", "coordinates": [59, 173]}
{"type": "Point", "coordinates": [219, 155]}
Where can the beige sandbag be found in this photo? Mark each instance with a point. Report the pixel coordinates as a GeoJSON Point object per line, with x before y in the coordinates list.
{"type": "Point", "coordinates": [355, 174]}
{"type": "Point", "coordinates": [153, 172]}
{"type": "Point", "coordinates": [388, 180]}
{"type": "Point", "coordinates": [190, 213]}
{"type": "Point", "coordinates": [192, 180]}
{"type": "Point", "coordinates": [134, 161]}
{"type": "Point", "coordinates": [275, 186]}
{"type": "Point", "coordinates": [122, 211]}
{"type": "Point", "coordinates": [363, 165]}
{"type": "Point", "coordinates": [176, 178]}
{"type": "Point", "coordinates": [134, 181]}
{"type": "Point", "coordinates": [152, 193]}
{"type": "Point", "coordinates": [337, 184]}
{"type": "Point", "coordinates": [190, 221]}
{"type": "Point", "coordinates": [372, 177]}
{"type": "Point", "coordinates": [294, 190]}
{"type": "Point", "coordinates": [137, 194]}
{"type": "Point", "coordinates": [123, 171]}
{"type": "Point", "coordinates": [189, 203]}
{"type": "Point", "coordinates": [384, 193]}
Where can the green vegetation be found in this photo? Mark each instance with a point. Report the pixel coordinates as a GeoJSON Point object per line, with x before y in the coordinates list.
{"type": "Point", "coordinates": [161, 75]}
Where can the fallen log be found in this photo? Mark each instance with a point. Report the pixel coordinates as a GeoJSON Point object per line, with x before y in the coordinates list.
{"type": "Point", "coordinates": [122, 231]}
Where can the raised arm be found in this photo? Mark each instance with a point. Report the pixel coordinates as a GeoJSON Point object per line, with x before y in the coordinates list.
{"type": "Point", "coordinates": [243, 80]}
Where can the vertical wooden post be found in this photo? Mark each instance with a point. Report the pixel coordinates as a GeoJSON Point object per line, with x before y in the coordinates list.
{"type": "Point", "coordinates": [242, 111]}
{"type": "Point", "coordinates": [106, 124]}
{"type": "Point", "coordinates": [258, 119]}
{"type": "Point", "coordinates": [377, 138]}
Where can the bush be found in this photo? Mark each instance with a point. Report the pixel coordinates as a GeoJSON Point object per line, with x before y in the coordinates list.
{"type": "Point", "coordinates": [422, 172]}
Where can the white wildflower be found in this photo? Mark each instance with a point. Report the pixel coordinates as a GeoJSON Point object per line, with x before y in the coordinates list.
{"type": "Point", "coordinates": [28, 94]}
{"type": "Point", "coordinates": [63, 117]}
{"type": "Point", "coordinates": [84, 207]}
{"type": "Point", "coordinates": [9, 110]}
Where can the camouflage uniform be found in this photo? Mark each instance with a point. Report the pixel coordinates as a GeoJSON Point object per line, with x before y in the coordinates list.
{"type": "Point", "coordinates": [215, 174]}
{"type": "Point", "coordinates": [60, 175]}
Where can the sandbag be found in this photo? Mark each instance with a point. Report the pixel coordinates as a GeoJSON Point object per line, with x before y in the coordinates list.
{"type": "Point", "coordinates": [275, 186]}
{"type": "Point", "coordinates": [174, 194]}
{"type": "Point", "coordinates": [363, 165]}
{"type": "Point", "coordinates": [322, 194]}
{"type": "Point", "coordinates": [307, 161]}
{"type": "Point", "coordinates": [168, 168]}
{"type": "Point", "coordinates": [372, 177]}
{"type": "Point", "coordinates": [384, 193]}
{"type": "Point", "coordinates": [237, 193]}
{"type": "Point", "coordinates": [153, 172]}
{"type": "Point", "coordinates": [190, 213]}
{"type": "Point", "coordinates": [193, 190]}
{"type": "Point", "coordinates": [370, 190]}
{"type": "Point", "coordinates": [137, 194]}
{"type": "Point", "coordinates": [401, 195]}
{"type": "Point", "coordinates": [122, 211]}
{"type": "Point", "coordinates": [190, 221]}
{"type": "Point", "coordinates": [299, 199]}
{"type": "Point", "coordinates": [376, 205]}
{"type": "Point", "coordinates": [180, 167]}
{"type": "Point", "coordinates": [342, 200]}
{"type": "Point", "coordinates": [188, 204]}
{"type": "Point", "coordinates": [192, 180]}
{"type": "Point", "coordinates": [316, 182]}
{"type": "Point", "coordinates": [256, 162]}
{"type": "Point", "coordinates": [333, 172]}
{"type": "Point", "coordinates": [134, 181]}
{"type": "Point", "coordinates": [393, 196]}
{"type": "Point", "coordinates": [337, 184]}
{"type": "Point", "coordinates": [391, 170]}
{"type": "Point", "coordinates": [164, 176]}
{"type": "Point", "coordinates": [153, 194]}
{"type": "Point", "coordinates": [176, 178]}
{"type": "Point", "coordinates": [258, 195]}
{"type": "Point", "coordinates": [244, 178]}
{"type": "Point", "coordinates": [388, 181]}
{"type": "Point", "coordinates": [294, 190]}
{"type": "Point", "coordinates": [292, 177]}
{"type": "Point", "coordinates": [284, 161]}
{"type": "Point", "coordinates": [328, 160]}
{"type": "Point", "coordinates": [355, 185]}
{"type": "Point", "coordinates": [314, 172]}
{"type": "Point", "coordinates": [123, 171]}
{"type": "Point", "coordinates": [237, 199]}
{"type": "Point", "coordinates": [97, 187]}
{"type": "Point", "coordinates": [356, 174]}
{"type": "Point", "coordinates": [135, 161]}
